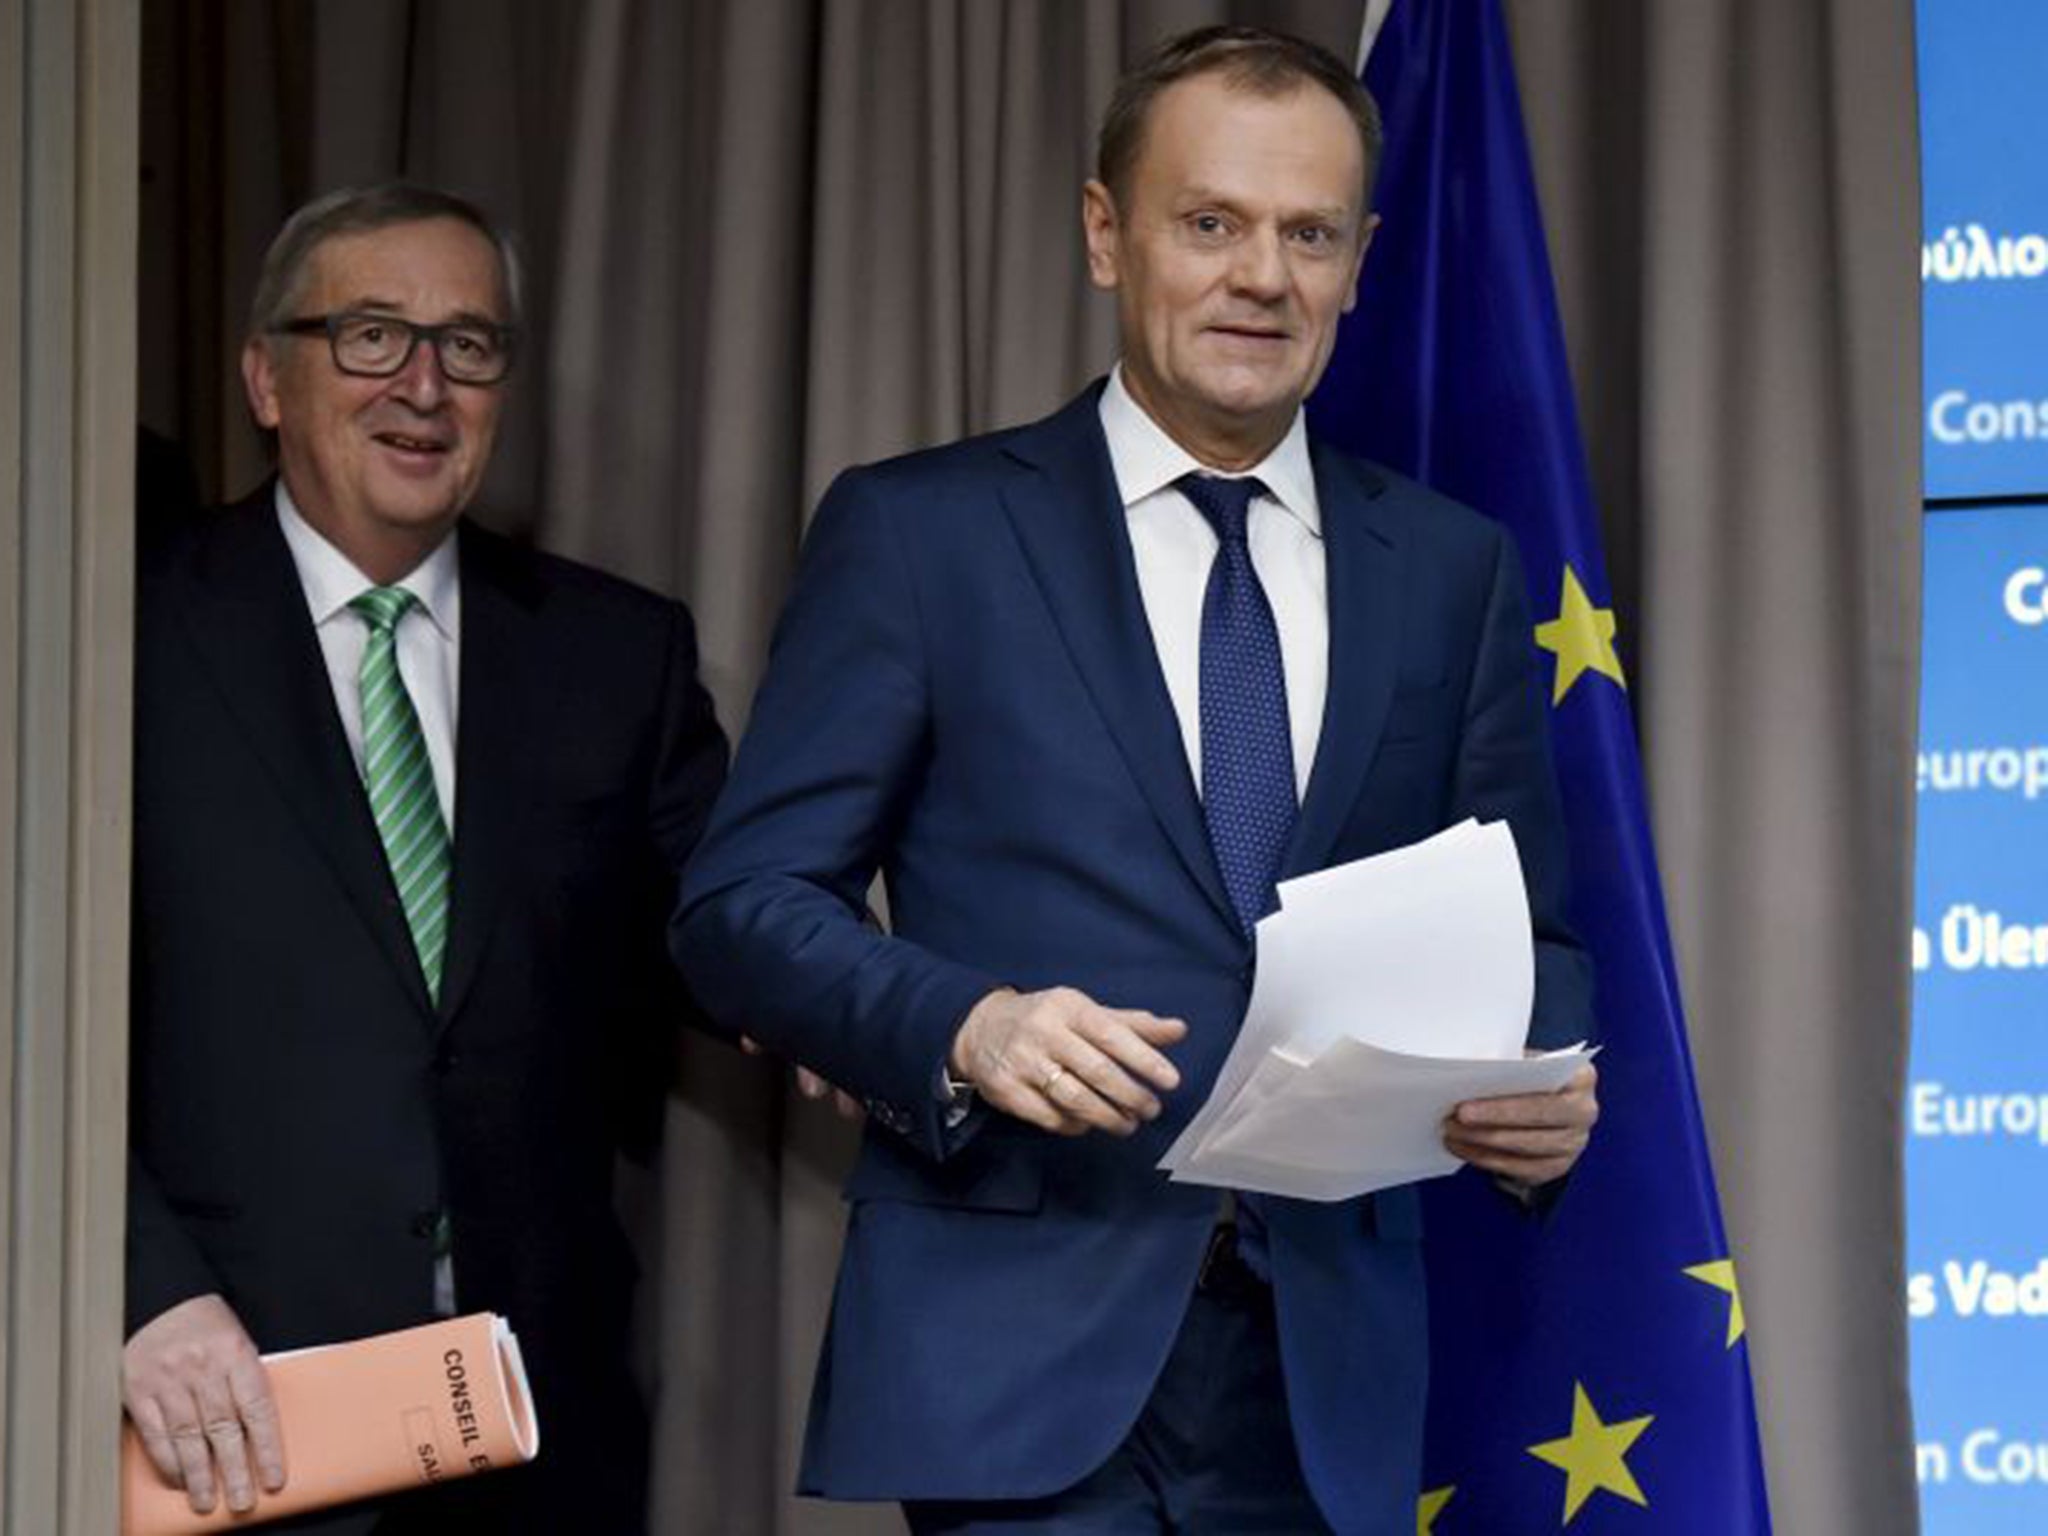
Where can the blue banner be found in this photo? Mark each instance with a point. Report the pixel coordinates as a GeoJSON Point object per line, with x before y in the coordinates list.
{"type": "Point", "coordinates": [1589, 1369]}
{"type": "Point", "coordinates": [1984, 260]}
{"type": "Point", "coordinates": [1977, 1104]}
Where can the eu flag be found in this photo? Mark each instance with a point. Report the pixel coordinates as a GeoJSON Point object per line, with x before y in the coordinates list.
{"type": "Point", "coordinates": [1589, 1370]}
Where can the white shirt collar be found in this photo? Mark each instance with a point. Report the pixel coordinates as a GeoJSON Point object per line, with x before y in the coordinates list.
{"type": "Point", "coordinates": [1147, 460]}
{"type": "Point", "coordinates": [332, 580]}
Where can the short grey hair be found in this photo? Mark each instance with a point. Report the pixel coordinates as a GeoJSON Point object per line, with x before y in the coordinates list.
{"type": "Point", "coordinates": [357, 210]}
{"type": "Point", "coordinates": [1249, 59]}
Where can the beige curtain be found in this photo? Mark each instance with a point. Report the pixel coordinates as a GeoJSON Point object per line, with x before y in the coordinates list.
{"type": "Point", "coordinates": [68, 75]}
{"type": "Point", "coordinates": [768, 238]}
{"type": "Point", "coordinates": [1732, 192]}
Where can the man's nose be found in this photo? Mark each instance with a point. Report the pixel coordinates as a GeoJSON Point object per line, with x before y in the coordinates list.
{"type": "Point", "coordinates": [1260, 268]}
{"type": "Point", "coordinates": [421, 383]}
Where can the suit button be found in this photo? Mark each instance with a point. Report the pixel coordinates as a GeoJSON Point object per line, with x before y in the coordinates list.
{"type": "Point", "coordinates": [446, 1062]}
{"type": "Point", "coordinates": [895, 1118]}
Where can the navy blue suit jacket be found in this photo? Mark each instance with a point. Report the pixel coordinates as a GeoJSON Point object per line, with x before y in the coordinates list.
{"type": "Point", "coordinates": [965, 695]}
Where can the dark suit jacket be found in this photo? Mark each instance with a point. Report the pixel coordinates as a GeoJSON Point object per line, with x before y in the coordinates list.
{"type": "Point", "coordinates": [299, 1107]}
{"type": "Point", "coordinates": [965, 693]}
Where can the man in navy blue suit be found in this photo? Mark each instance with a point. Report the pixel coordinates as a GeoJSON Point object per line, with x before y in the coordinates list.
{"type": "Point", "coordinates": [1082, 692]}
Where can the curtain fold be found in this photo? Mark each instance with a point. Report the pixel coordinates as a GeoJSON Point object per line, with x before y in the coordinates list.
{"type": "Point", "coordinates": [769, 238]}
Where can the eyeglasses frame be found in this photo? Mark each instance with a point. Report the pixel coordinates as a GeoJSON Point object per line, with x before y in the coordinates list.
{"type": "Point", "coordinates": [330, 326]}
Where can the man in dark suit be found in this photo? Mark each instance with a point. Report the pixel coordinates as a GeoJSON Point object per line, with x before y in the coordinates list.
{"type": "Point", "coordinates": [400, 992]}
{"type": "Point", "coordinates": [1082, 692]}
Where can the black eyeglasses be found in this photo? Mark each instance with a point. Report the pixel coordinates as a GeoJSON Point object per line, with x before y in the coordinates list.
{"type": "Point", "coordinates": [378, 346]}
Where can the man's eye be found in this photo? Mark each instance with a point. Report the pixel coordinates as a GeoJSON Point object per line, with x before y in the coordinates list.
{"type": "Point", "coordinates": [1208, 224]}
{"type": "Point", "coordinates": [371, 332]}
{"type": "Point", "coordinates": [1316, 236]}
{"type": "Point", "coordinates": [468, 343]}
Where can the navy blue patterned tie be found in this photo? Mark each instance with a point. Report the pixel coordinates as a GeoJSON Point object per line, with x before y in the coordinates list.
{"type": "Point", "coordinates": [1247, 745]}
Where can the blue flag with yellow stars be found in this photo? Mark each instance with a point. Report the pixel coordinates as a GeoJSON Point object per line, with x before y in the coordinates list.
{"type": "Point", "coordinates": [1589, 1372]}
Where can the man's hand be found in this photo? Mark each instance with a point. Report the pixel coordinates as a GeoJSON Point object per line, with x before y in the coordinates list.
{"type": "Point", "coordinates": [812, 1086]}
{"type": "Point", "coordinates": [1531, 1138]}
{"type": "Point", "coordinates": [200, 1398]}
{"type": "Point", "coordinates": [1064, 1063]}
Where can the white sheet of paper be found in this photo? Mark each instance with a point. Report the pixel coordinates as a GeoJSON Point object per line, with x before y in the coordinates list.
{"type": "Point", "coordinates": [1358, 1119]}
{"type": "Point", "coordinates": [1423, 949]}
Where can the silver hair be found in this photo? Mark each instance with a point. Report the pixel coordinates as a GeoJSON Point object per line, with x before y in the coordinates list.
{"type": "Point", "coordinates": [357, 210]}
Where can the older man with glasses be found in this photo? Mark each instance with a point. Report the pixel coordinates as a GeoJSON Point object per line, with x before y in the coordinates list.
{"type": "Point", "coordinates": [400, 991]}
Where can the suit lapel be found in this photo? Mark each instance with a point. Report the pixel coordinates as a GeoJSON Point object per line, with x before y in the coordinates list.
{"type": "Point", "coordinates": [1363, 567]}
{"type": "Point", "coordinates": [249, 623]}
{"type": "Point", "coordinates": [495, 734]}
{"type": "Point", "coordinates": [1064, 506]}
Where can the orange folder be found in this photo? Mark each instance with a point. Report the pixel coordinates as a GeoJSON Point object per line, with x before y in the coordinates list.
{"type": "Point", "coordinates": [372, 1417]}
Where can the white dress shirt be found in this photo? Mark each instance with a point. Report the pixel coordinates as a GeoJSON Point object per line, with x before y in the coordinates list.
{"type": "Point", "coordinates": [429, 639]}
{"type": "Point", "coordinates": [1175, 546]}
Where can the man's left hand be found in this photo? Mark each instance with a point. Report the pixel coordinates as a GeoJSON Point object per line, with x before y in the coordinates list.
{"type": "Point", "coordinates": [1531, 1138]}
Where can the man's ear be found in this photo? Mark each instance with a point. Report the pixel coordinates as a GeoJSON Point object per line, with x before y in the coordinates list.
{"type": "Point", "coordinates": [1099, 228]}
{"type": "Point", "coordinates": [1365, 234]}
{"type": "Point", "coordinates": [259, 380]}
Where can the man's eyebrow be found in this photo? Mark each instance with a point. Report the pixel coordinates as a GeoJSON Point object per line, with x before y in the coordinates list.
{"type": "Point", "coordinates": [395, 308]}
{"type": "Point", "coordinates": [1196, 195]}
{"type": "Point", "coordinates": [1195, 192]}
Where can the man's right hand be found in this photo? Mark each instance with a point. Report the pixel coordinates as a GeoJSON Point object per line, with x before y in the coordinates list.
{"type": "Point", "coordinates": [197, 1392]}
{"type": "Point", "coordinates": [1064, 1063]}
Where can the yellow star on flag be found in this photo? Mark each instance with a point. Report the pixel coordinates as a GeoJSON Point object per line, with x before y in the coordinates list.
{"type": "Point", "coordinates": [1431, 1505]}
{"type": "Point", "coordinates": [1591, 1456]}
{"type": "Point", "coordinates": [1581, 637]}
{"type": "Point", "coordinates": [1721, 1276]}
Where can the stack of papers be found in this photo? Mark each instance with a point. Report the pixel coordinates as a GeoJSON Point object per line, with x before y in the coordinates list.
{"type": "Point", "coordinates": [1389, 991]}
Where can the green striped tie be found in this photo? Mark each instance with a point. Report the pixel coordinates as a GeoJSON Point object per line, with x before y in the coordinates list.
{"type": "Point", "coordinates": [400, 778]}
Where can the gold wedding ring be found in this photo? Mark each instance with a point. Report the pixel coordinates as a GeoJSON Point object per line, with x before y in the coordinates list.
{"type": "Point", "coordinates": [1051, 1079]}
